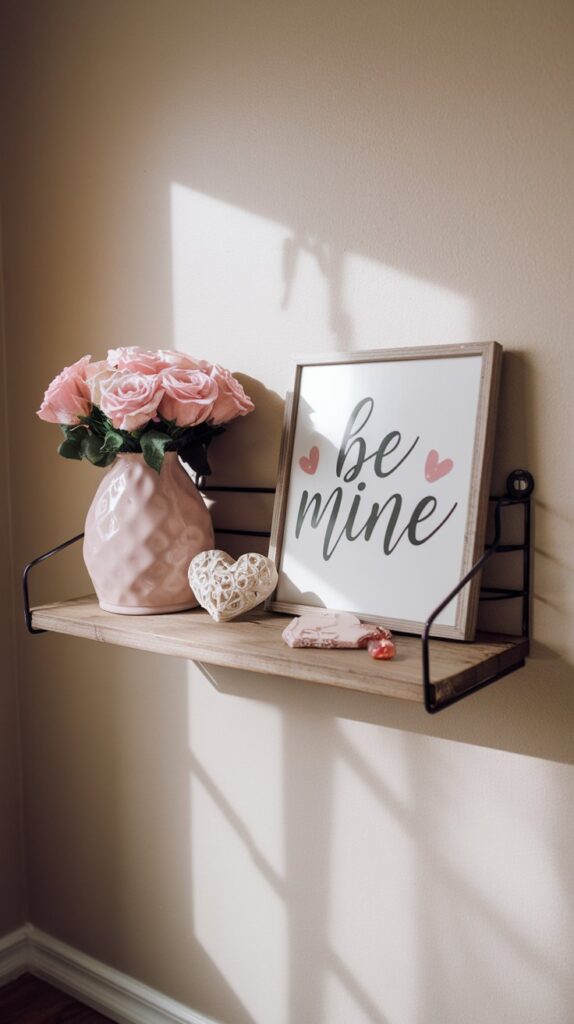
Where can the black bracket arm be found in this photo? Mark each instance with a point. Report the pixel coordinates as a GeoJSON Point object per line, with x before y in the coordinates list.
{"type": "Point", "coordinates": [26, 573]}
{"type": "Point", "coordinates": [519, 485]}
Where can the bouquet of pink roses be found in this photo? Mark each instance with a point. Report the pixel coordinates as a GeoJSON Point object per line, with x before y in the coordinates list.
{"type": "Point", "coordinates": [141, 401]}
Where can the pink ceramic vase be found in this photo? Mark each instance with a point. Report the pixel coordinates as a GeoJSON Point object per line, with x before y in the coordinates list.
{"type": "Point", "coordinates": [142, 530]}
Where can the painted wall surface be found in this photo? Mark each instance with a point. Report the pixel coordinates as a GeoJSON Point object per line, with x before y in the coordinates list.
{"type": "Point", "coordinates": [11, 852]}
{"type": "Point", "coordinates": [249, 181]}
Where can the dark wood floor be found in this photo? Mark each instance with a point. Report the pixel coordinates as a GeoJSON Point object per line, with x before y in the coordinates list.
{"type": "Point", "coordinates": [31, 1001]}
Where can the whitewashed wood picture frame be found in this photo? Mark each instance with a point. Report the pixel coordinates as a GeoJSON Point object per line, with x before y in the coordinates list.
{"type": "Point", "coordinates": [382, 496]}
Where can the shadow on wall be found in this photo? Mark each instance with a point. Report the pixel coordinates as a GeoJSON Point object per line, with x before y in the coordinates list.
{"type": "Point", "coordinates": [331, 261]}
{"type": "Point", "coordinates": [246, 456]}
{"type": "Point", "coordinates": [248, 451]}
{"type": "Point", "coordinates": [429, 822]}
{"type": "Point", "coordinates": [247, 856]}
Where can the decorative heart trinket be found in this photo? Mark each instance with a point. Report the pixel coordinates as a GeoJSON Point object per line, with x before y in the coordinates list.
{"type": "Point", "coordinates": [381, 649]}
{"type": "Point", "coordinates": [226, 588]}
{"type": "Point", "coordinates": [331, 629]}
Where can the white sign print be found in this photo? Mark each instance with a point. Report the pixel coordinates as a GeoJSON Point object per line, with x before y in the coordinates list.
{"type": "Point", "coordinates": [382, 504]}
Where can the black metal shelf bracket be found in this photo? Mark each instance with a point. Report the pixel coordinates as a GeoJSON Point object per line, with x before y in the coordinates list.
{"type": "Point", "coordinates": [26, 573]}
{"type": "Point", "coordinates": [519, 487]}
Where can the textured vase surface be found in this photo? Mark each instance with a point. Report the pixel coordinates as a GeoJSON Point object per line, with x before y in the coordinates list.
{"type": "Point", "coordinates": [142, 530]}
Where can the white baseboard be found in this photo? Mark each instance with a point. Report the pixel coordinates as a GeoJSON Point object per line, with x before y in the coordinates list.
{"type": "Point", "coordinates": [13, 955]}
{"type": "Point", "coordinates": [112, 993]}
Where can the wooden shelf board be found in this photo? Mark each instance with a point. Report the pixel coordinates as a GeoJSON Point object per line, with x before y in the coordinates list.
{"type": "Point", "coordinates": [254, 643]}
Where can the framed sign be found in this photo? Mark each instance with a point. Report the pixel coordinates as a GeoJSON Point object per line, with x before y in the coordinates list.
{"type": "Point", "coordinates": [382, 495]}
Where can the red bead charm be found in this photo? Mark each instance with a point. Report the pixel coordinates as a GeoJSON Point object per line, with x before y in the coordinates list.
{"type": "Point", "coordinates": [381, 649]}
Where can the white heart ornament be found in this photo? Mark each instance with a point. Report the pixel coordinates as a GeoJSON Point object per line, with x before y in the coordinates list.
{"type": "Point", "coordinates": [226, 588]}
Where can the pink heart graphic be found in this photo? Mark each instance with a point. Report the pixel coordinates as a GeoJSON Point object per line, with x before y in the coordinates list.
{"type": "Point", "coordinates": [435, 469]}
{"type": "Point", "coordinates": [309, 463]}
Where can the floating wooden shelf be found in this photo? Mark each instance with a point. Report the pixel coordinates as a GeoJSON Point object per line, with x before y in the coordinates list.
{"type": "Point", "coordinates": [254, 643]}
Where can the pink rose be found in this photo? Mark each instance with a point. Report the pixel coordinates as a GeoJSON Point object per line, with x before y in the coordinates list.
{"type": "Point", "coordinates": [135, 360]}
{"type": "Point", "coordinates": [189, 396]}
{"type": "Point", "coordinates": [96, 374]}
{"type": "Point", "coordinates": [171, 358]}
{"type": "Point", "coordinates": [139, 360]}
{"type": "Point", "coordinates": [231, 400]}
{"type": "Point", "coordinates": [68, 396]}
{"type": "Point", "coordinates": [129, 400]}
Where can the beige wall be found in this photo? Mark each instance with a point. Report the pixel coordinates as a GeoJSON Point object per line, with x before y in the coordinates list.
{"type": "Point", "coordinates": [11, 859]}
{"type": "Point", "coordinates": [262, 850]}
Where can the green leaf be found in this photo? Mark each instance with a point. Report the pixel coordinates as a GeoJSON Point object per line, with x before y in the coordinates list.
{"type": "Point", "coordinates": [73, 433]}
{"type": "Point", "coordinates": [92, 450]}
{"type": "Point", "coordinates": [113, 442]}
{"type": "Point", "coordinates": [96, 421]}
{"type": "Point", "coordinates": [70, 449]}
{"type": "Point", "coordinates": [153, 445]}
